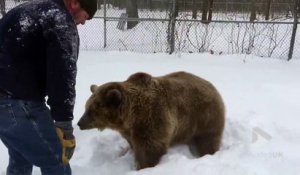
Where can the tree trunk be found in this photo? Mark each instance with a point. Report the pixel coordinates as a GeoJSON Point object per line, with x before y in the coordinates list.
{"type": "Point", "coordinates": [298, 8]}
{"type": "Point", "coordinates": [176, 13]}
{"type": "Point", "coordinates": [204, 10]}
{"type": "Point", "coordinates": [150, 5]}
{"type": "Point", "coordinates": [253, 11]}
{"type": "Point", "coordinates": [2, 7]}
{"type": "Point", "coordinates": [194, 10]}
{"type": "Point", "coordinates": [98, 4]}
{"type": "Point", "coordinates": [268, 7]}
{"type": "Point", "coordinates": [210, 8]}
{"type": "Point", "coordinates": [132, 12]}
{"type": "Point", "coordinates": [171, 27]}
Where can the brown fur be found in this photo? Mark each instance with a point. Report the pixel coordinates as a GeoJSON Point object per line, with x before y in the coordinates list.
{"type": "Point", "coordinates": [154, 113]}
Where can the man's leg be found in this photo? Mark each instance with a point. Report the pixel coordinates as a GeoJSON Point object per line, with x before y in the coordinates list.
{"type": "Point", "coordinates": [18, 165]}
{"type": "Point", "coordinates": [35, 138]}
{"type": "Point", "coordinates": [48, 149]}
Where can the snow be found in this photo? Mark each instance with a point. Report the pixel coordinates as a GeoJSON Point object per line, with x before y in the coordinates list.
{"type": "Point", "coordinates": [261, 95]}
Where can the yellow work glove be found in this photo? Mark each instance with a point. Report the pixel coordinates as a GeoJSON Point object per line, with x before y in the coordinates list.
{"type": "Point", "coordinates": [67, 140]}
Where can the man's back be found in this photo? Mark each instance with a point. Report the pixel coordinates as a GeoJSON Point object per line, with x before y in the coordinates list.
{"type": "Point", "coordinates": [38, 55]}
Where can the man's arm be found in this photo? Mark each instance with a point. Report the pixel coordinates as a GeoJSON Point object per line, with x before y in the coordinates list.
{"type": "Point", "coordinates": [62, 53]}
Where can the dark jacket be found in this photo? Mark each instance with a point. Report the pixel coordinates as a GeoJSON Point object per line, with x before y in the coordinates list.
{"type": "Point", "coordinates": [38, 53]}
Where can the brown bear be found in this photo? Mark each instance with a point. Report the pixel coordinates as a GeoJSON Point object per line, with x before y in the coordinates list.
{"type": "Point", "coordinates": [154, 113]}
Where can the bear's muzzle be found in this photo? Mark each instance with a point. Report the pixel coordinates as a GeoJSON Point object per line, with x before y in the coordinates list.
{"type": "Point", "coordinates": [85, 122]}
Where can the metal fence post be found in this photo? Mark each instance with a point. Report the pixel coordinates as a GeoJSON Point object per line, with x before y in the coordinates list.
{"type": "Point", "coordinates": [104, 25]}
{"type": "Point", "coordinates": [292, 45]}
{"type": "Point", "coordinates": [171, 28]}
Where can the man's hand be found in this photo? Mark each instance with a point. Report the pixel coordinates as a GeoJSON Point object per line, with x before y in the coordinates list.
{"type": "Point", "coordinates": [64, 131]}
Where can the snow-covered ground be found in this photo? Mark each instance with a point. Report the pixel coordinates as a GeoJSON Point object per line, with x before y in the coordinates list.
{"type": "Point", "coordinates": [262, 133]}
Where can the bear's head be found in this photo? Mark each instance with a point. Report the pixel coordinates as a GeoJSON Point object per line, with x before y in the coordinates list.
{"type": "Point", "coordinates": [103, 108]}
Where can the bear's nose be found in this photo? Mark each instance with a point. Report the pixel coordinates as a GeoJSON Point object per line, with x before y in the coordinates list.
{"type": "Point", "coordinates": [80, 125]}
{"type": "Point", "coordinates": [83, 122]}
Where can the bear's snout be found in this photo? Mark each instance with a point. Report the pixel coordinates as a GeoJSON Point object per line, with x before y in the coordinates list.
{"type": "Point", "coordinates": [85, 122]}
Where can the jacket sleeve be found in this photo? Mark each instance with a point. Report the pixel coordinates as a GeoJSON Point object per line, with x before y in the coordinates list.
{"type": "Point", "coordinates": [62, 53]}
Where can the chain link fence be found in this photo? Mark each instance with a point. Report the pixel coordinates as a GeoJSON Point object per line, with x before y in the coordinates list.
{"type": "Point", "coordinates": [174, 26]}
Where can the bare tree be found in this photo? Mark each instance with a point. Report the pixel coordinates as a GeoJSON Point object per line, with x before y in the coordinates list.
{"type": "Point", "coordinates": [132, 12]}
{"type": "Point", "coordinates": [267, 12]}
{"type": "Point", "coordinates": [194, 9]}
{"type": "Point", "coordinates": [207, 8]}
{"type": "Point", "coordinates": [210, 7]}
{"type": "Point", "coordinates": [149, 4]}
{"type": "Point", "coordinates": [99, 2]}
{"type": "Point", "coordinates": [2, 7]}
{"type": "Point", "coordinates": [171, 27]}
{"type": "Point", "coordinates": [176, 8]}
{"type": "Point", "coordinates": [253, 11]}
{"type": "Point", "coordinates": [297, 4]}
{"type": "Point", "coordinates": [204, 10]}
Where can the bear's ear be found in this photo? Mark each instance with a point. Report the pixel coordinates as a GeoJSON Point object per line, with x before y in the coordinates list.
{"type": "Point", "coordinates": [93, 88]}
{"type": "Point", "coordinates": [113, 97]}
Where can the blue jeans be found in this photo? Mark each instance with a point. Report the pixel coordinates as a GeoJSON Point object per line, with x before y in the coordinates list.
{"type": "Point", "coordinates": [28, 132]}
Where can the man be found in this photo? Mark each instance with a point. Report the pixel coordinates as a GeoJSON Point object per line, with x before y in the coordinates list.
{"type": "Point", "coordinates": [39, 46]}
